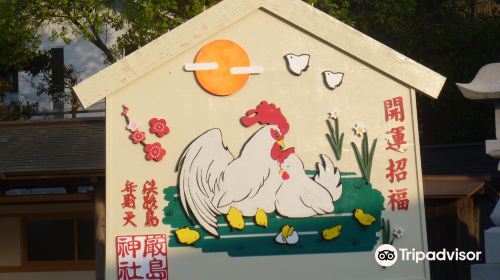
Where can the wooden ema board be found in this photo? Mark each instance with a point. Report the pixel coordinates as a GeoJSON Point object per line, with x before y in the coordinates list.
{"type": "Point", "coordinates": [261, 152]}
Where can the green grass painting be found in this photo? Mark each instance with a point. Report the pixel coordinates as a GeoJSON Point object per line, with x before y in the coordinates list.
{"type": "Point", "coordinates": [365, 157]}
{"type": "Point", "coordinates": [334, 137]}
{"type": "Point", "coordinates": [257, 241]}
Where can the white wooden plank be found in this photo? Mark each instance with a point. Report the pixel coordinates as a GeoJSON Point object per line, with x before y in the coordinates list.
{"type": "Point", "coordinates": [420, 182]}
{"type": "Point", "coordinates": [358, 45]}
{"type": "Point", "coordinates": [226, 13]}
{"type": "Point", "coordinates": [161, 50]}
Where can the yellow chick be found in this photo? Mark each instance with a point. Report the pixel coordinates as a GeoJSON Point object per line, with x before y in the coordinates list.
{"type": "Point", "coordinates": [235, 218]}
{"type": "Point", "coordinates": [187, 236]}
{"type": "Point", "coordinates": [332, 233]}
{"type": "Point", "coordinates": [261, 218]}
{"type": "Point", "coordinates": [286, 231]}
{"type": "Point", "coordinates": [363, 218]}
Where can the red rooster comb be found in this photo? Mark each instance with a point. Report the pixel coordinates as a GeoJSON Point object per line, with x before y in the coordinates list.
{"type": "Point", "coordinates": [266, 113]}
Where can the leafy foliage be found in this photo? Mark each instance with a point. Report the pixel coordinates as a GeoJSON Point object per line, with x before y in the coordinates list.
{"type": "Point", "coordinates": [17, 110]}
{"type": "Point", "coordinates": [115, 27]}
{"type": "Point", "coordinates": [458, 43]}
{"type": "Point", "coordinates": [452, 37]}
{"type": "Point", "coordinates": [148, 19]}
{"type": "Point", "coordinates": [59, 92]}
{"type": "Point", "coordinates": [339, 9]}
{"type": "Point", "coordinates": [92, 20]}
{"type": "Point", "coordinates": [19, 41]}
{"type": "Point", "coordinates": [19, 36]}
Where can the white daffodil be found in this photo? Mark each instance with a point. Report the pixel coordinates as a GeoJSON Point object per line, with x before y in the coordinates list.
{"type": "Point", "coordinates": [132, 126]}
{"type": "Point", "coordinates": [398, 232]}
{"type": "Point", "coordinates": [334, 115]}
{"type": "Point", "coordinates": [359, 130]}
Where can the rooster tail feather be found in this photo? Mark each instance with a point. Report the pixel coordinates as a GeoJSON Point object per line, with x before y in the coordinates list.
{"type": "Point", "coordinates": [200, 168]}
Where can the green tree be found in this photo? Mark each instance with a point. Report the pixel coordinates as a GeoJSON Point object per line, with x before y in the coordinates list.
{"type": "Point", "coordinates": [454, 38]}
{"type": "Point", "coordinates": [115, 27]}
{"type": "Point", "coordinates": [19, 36]}
{"type": "Point", "coordinates": [19, 42]}
{"type": "Point", "coordinates": [92, 20]}
{"type": "Point", "coordinates": [149, 19]}
{"type": "Point", "coordinates": [339, 9]}
{"type": "Point", "coordinates": [64, 92]}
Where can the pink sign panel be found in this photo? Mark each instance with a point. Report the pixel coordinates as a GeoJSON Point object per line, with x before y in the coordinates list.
{"type": "Point", "coordinates": [142, 257]}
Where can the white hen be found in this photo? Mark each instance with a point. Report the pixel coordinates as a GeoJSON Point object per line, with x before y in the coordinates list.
{"type": "Point", "coordinates": [301, 196]}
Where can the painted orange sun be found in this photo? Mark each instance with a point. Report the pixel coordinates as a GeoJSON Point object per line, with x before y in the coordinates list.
{"type": "Point", "coordinates": [222, 67]}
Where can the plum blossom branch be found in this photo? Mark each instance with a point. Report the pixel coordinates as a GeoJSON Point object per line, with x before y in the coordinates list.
{"type": "Point", "coordinates": [153, 151]}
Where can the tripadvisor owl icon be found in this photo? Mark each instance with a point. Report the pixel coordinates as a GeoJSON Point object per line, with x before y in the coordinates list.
{"type": "Point", "coordinates": [386, 255]}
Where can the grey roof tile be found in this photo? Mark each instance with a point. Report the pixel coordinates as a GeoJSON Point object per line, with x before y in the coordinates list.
{"type": "Point", "coordinates": [52, 146]}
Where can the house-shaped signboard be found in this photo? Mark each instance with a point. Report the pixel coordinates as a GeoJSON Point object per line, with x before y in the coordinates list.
{"type": "Point", "coordinates": [262, 140]}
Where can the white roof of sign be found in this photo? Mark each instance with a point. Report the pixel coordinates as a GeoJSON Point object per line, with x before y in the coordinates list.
{"type": "Point", "coordinates": [226, 13]}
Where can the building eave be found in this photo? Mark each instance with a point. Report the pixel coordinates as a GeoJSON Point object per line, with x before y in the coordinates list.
{"type": "Point", "coordinates": [224, 14]}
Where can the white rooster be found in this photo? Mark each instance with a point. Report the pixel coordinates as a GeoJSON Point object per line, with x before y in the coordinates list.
{"type": "Point", "coordinates": [213, 182]}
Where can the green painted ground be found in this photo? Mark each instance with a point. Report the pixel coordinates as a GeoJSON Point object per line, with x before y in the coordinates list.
{"type": "Point", "coordinates": [257, 241]}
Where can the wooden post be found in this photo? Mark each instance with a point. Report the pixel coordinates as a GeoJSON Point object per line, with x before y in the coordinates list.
{"type": "Point", "coordinates": [100, 227]}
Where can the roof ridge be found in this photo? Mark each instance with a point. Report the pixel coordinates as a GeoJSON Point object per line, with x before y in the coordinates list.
{"type": "Point", "coordinates": [215, 19]}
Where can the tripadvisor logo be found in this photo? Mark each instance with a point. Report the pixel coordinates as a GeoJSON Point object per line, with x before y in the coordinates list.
{"type": "Point", "coordinates": [387, 255]}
